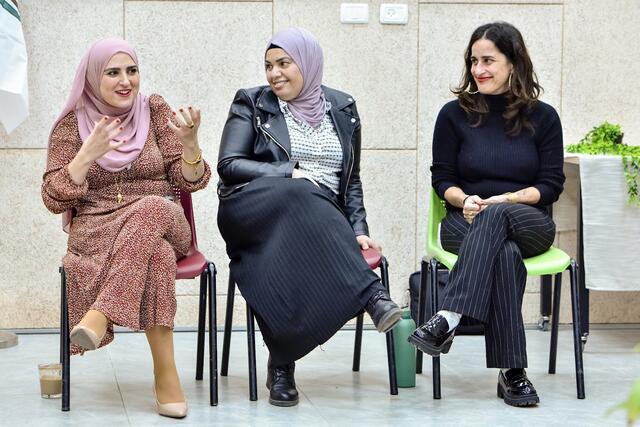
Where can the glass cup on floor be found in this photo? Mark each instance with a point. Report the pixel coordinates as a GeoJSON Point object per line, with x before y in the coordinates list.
{"type": "Point", "coordinates": [50, 380]}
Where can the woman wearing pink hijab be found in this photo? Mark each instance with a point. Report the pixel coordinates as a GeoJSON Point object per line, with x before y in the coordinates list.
{"type": "Point", "coordinates": [291, 209]}
{"type": "Point", "coordinates": [114, 155]}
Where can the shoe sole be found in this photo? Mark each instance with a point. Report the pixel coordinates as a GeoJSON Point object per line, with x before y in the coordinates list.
{"type": "Point", "coordinates": [283, 403]}
{"type": "Point", "coordinates": [428, 348]}
{"type": "Point", "coordinates": [389, 320]}
{"type": "Point", "coordinates": [81, 337]}
{"type": "Point", "coordinates": [517, 401]}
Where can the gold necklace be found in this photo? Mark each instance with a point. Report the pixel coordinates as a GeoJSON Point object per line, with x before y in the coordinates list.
{"type": "Point", "coordinates": [119, 197]}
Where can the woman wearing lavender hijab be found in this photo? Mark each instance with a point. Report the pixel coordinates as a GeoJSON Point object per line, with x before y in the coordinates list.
{"type": "Point", "coordinates": [114, 156]}
{"type": "Point", "coordinates": [291, 209]}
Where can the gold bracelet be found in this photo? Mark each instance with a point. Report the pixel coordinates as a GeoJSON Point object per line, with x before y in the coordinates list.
{"type": "Point", "coordinates": [195, 162]}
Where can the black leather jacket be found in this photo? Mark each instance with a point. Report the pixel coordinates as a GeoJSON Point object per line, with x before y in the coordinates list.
{"type": "Point", "coordinates": [255, 143]}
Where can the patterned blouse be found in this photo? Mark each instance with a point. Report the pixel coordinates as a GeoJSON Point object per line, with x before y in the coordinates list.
{"type": "Point", "coordinates": [317, 151]}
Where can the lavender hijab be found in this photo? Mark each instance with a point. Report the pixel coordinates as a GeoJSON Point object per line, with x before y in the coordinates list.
{"type": "Point", "coordinates": [87, 103]}
{"type": "Point", "coordinates": [304, 49]}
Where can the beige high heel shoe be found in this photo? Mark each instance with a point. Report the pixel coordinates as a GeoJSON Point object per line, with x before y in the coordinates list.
{"type": "Point", "coordinates": [171, 410]}
{"type": "Point", "coordinates": [85, 337]}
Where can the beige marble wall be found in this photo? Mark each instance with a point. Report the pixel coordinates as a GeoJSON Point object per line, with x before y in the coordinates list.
{"type": "Point", "coordinates": [599, 79]}
{"type": "Point", "coordinates": [57, 32]}
{"type": "Point", "coordinates": [200, 52]}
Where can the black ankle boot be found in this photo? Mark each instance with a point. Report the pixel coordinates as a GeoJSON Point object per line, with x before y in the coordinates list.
{"type": "Point", "coordinates": [383, 311]}
{"type": "Point", "coordinates": [516, 389]}
{"type": "Point", "coordinates": [282, 385]}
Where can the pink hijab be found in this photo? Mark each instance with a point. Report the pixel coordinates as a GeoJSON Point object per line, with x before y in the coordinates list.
{"type": "Point", "coordinates": [87, 103]}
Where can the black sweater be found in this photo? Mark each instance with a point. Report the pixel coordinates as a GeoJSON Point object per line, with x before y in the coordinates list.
{"type": "Point", "coordinates": [486, 161]}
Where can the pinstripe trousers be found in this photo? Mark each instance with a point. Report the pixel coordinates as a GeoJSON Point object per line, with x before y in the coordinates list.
{"type": "Point", "coordinates": [487, 282]}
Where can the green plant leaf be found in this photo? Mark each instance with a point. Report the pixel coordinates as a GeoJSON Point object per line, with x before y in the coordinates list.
{"type": "Point", "coordinates": [631, 405]}
{"type": "Point", "coordinates": [607, 139]}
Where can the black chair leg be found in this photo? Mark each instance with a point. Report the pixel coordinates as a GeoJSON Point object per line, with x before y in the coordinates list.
{"type": "Point", "coordinates": [251, 348]}
{"type": "Point", "coordinates": [391, 353]}
{"type": "Point", "coordinates": [545, 302]}
{"type": "Point", "coordinates": [228, 321]}
{"type": "Point", "coordinates": [577, 341]}
{"type": "Point", "coordinates": [213, 336]}
{"type": "Point", "coordinates": [391, 361]}
{"type": "Point", "coordinates": [358, 342]}
{"type": "Point", "coordinates": [433, 283]}
{"type": "Point", "coordinates": [422, 298]}
{"type": "Point", "coordinates": [555, 319]}
{"type": "Point", "coordinates": [202, 310]}
{"type": "Point", "coordinates": [64, 343]}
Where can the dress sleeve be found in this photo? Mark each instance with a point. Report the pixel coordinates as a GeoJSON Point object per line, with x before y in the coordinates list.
{"type": "Point", "coordinates": [59, 192]}
{"type": "Point", "coordinates": [550, 177]}
{"type": "Point", "coordinates": [445, 147]}
{"type": "Point", "coordinates": [171, 147]}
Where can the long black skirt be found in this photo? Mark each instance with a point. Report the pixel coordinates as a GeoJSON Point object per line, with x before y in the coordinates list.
{"type": "Point", "coordinates": [295, 258]}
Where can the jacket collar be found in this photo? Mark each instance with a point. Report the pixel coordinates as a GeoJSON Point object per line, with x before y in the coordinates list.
{"type": "Point", "coordinates": [344, 122]}
{"type": "Point", "coordinates": [268, 101]}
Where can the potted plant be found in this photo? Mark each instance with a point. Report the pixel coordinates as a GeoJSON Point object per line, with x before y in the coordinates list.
{"type": "Point", "coordinates": [607, 139]}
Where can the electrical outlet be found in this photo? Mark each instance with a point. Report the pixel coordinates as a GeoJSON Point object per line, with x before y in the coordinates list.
{"type": "Point", "coordinates": [394, 13]}
{"type": "Point", "coordinates": [354, 13]}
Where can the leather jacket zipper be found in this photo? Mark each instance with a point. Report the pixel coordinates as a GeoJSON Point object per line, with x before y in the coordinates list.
{"type": "Point", "coordinates": [349, 174]}
{"type": "Point", "coordinates": [268, 135]}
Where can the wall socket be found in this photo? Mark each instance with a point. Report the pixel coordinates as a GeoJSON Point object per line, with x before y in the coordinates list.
{"type": "Point", "coordinates": [394, 13]}
{"type": "Point", "coordinates": [354, 13]}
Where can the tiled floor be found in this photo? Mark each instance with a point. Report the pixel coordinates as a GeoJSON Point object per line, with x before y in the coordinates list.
{"type": "Point", "coordinates": [112, 386]}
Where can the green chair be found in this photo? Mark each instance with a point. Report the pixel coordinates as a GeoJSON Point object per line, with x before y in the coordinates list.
{"type": "Point", "coordinates": [552, 262]}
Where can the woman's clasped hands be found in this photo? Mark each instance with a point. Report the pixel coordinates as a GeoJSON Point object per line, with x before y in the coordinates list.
{"type": "Point", "coordinates": [475, 204]}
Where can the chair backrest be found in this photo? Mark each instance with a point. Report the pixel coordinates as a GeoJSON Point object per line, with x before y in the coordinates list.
{"type": "Point", "coordinates": [187, 206]}
{"type": "Point", "coordinates": [437, 212]}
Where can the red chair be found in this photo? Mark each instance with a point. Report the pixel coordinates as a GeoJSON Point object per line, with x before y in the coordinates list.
{"type": "Point", "coordinates": [375, 260]}
{"type": "Point", "coordinates": [192, 265]}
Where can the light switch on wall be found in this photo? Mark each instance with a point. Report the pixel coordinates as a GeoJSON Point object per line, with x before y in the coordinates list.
{"type": "Point", "coordinates": [394, 13]}
{"type": "Point", "coordinates": [354, 13]}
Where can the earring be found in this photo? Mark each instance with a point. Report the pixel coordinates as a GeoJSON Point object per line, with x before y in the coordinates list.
{"type": "Point", "coordinates": [510, 74]}
{"type": "Point", "coordinates": [470, 92]}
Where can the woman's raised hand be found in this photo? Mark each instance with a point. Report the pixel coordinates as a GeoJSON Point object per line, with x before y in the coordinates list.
{"type": "Point", "coordinates": [186, 128]}
{"type": "Point", "coordinates": [102, 139]}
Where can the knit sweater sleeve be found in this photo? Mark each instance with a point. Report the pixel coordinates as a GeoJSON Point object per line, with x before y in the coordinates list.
{"type": "Point", "coordinates": [445, 147]}
{"type": "Point", "coordinates": [550, 178]}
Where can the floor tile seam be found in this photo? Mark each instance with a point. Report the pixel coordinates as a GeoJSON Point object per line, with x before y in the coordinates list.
{"type": "Point", "coordinates": [115, 377]}
{"type": "Point", "coordinates": [315, 408]}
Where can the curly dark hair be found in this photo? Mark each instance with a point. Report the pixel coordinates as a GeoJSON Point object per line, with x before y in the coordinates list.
{"type": "Point", "coordinates": [524, 90]}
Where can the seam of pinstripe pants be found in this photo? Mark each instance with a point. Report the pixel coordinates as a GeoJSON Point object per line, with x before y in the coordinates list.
{"type": "Point", "coordinates": [488, 280]}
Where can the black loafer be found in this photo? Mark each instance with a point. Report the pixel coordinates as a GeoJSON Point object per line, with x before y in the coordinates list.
{"type": "Point", "coordinates": [516, 389]}
{"type": "Point", "coordinates": [282, 385]}
{"type": "Point", "coordinates": [383, 311]}
{"type": "Point", "coordinates": [432, 337]}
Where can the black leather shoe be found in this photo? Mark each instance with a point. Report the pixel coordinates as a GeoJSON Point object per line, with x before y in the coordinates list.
{"type": "Point", "coordinates": [282, 385]}
{"type": "Point", "coordinates": [383, 311]}
{"type": "Point", "coordinates": [432, 337]}
{"type": "Point", "coordinates": [516, 389]}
